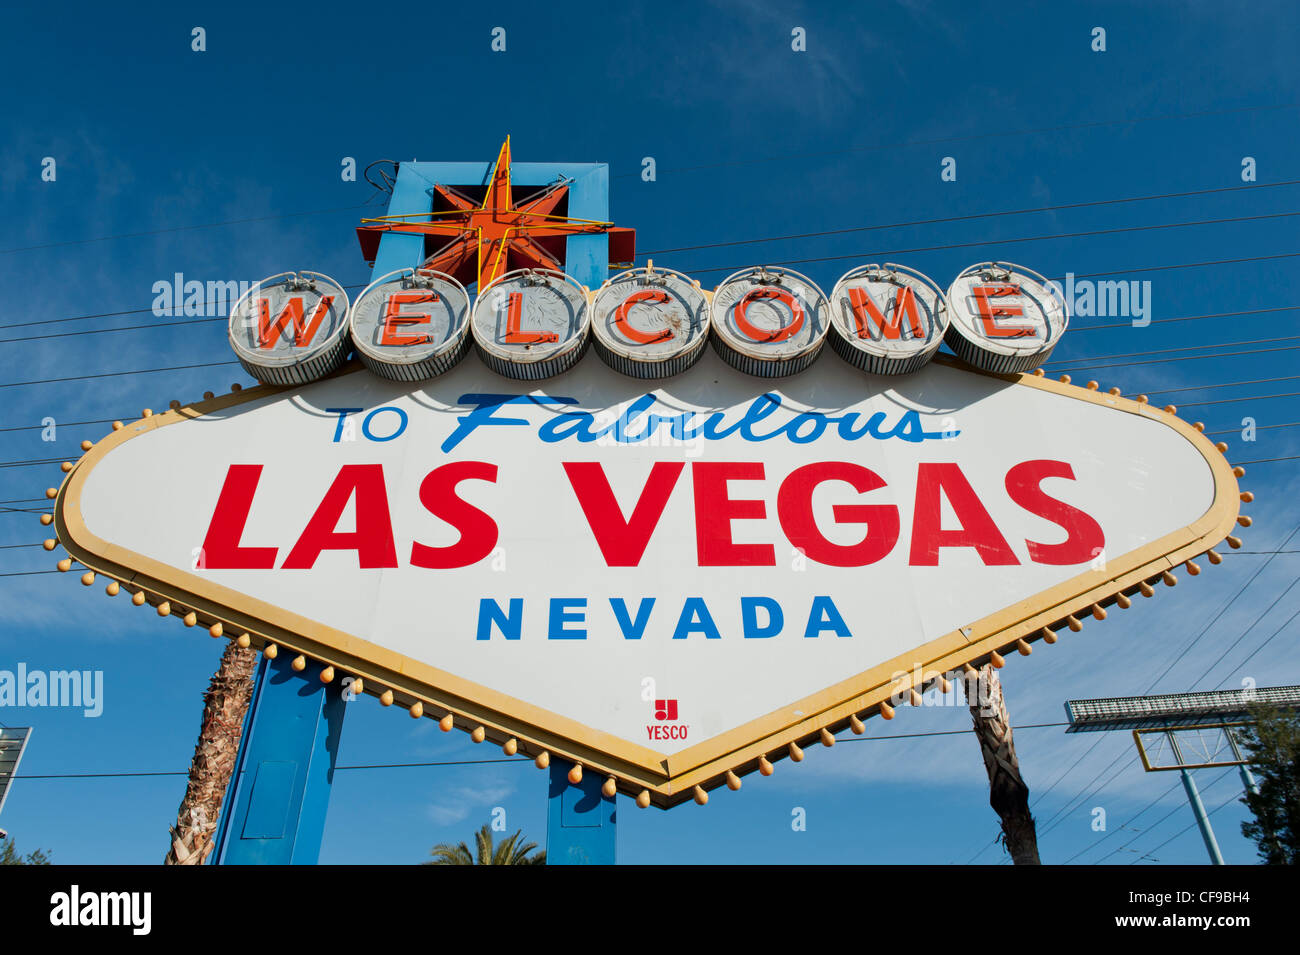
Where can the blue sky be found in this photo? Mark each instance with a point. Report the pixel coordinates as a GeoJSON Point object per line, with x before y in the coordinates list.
{"type": "Point", "coordinates": [750, 139]}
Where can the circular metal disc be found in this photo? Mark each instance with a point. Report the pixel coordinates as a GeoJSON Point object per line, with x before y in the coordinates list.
{"type": "Point", "coordinates": [650, 323]}
{"type": "Point", "coordinates": [888, 319]}
{"type": "Point", "coordinates": [531, 321]}
{"type": "Point", "coordinates": [291, 328]}
{"type": "Point", "coordinates": [769, 321]}
{"type": "Point", "coordinates": [1004, 317]}
{"type": "Point", "coordinates": [411, 320]}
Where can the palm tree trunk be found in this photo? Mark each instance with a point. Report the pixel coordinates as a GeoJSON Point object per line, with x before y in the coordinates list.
{"type": "Point", "coordinates": [1008, 794]}
{"type": "Point", "coordinates": [224, 707]}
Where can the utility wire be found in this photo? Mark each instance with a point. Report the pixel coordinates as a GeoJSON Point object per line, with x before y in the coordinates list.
{"type": "Point", "coordinates": [454, 762]}
{"type": "Point", "coordinates": [180, 228]}
{"type": "Point", "coordinates": [1000, 134]}
{"type": "Point", "coordinates": [964, 218]}
{"type": "Point", "coordinates": [996, 242]}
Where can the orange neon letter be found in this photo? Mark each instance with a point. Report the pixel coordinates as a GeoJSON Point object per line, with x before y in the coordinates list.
{"type": "Point", "coordinates": [268, 331]}
{"type": "Point", "coordinates": [636, 335]}
{"type": "Point", "coordinates": [782, 333]}
{"type": "Point", "coordinates": [513, 317]}
{"type": "Point", "coordinates": [395, 319]}
{"type": "Point", "coordinates": [990, 313]}
{"type": "Point", "coordinates": [863, 306]}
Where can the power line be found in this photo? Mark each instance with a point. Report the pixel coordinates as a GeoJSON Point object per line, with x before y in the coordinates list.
{"type": "Point", "coordinates": [964, 218]}
{"type": "Point", "coordinates": [1183, 348]}
{"type": "Point", "coordinates": [1188, 827]}
{"type": "Point", "coordinates": [1266, 642]}
{"type": "Point", "coordinates": [996, 242]}
{"type": "Point", "coordinates": [1293, 457]}
{"type": "Point", "coordinates": [116, 374]}
{"type": "Point", "coordinates": [465, 762]}
{"type": "Point", "coordinates": [1222, 610]}
{"type": "Point", "coordinates": [180, 228]}
{"type": "Point", "coordinates": [1227, 384]}
{"type": "Point", "coordinates": [1074, 367]}
{"type": "Point", "coordinates": [1261, 427]}
{"type": "Point", "coordinates": [66, 424]}
{"type": "Point", "coordinates": [1000, 134]}
{"type": "Point", "coordinates": [1228, 401]}
{"type": "Point", "coordinates": [1184, 318]}
{"type": "Point", "coordinates": [1155, 825]}
{"type": "Point", "coordinates": [1121, 828]}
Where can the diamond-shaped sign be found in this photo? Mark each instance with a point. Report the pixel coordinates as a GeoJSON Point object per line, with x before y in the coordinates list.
{"type": "Point", "coordinates": [670, 583]}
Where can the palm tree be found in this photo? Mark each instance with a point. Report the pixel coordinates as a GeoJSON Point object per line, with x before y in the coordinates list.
{"type": "Point", "coordinates": [513, 851]}
{"type": "Point", "coordinates": [1008, 794]}
{"type": "Point", "coordinates": [224, 707]}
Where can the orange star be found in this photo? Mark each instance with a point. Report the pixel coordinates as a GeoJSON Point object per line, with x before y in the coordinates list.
{"type": "Point", "coordinates": [489, 239]}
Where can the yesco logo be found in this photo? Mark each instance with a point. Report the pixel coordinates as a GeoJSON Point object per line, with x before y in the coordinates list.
{"type": "Point", "coordinates": [666, 726]}
{"type": "Point", "coordinates": [75, 908]}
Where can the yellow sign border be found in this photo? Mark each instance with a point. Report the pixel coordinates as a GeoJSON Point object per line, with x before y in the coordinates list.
{"type": "Point", "coordinates": [638, 770]}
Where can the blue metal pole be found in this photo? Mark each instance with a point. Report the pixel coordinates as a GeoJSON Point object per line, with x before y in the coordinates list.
{"type": "Point", "coordinates": [282, 786]}
{"type": "Point", "coordinates": [580, 820]}
{"type": "Point", "coordinates": [1202, 820]}
{"type": "Point", "coordinates": [1248, 779]}
{"type": "Point", "coordinates": [275, 806]}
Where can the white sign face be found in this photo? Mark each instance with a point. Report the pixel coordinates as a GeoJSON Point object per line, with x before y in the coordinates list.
{"type": "Point", "coordinates": [664, 580]}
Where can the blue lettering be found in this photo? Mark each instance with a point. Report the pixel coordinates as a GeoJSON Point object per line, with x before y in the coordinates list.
{"type": "Point", "coordinates": [815, 418]}
{"type": "Point", "coordinates": [566, 610]}
{"type": "Point", "coordinates": [632, 629]}
{"type": "Point", "coordinates": [696, 618]}
{"type": "Point", "coordinates": [764, 406]}
{"type": "Point", "coordinates": [365, 423]}
{"type": "Point", "coordinates": [749, 607]}
{"type": "Point", "coordinates": [481, 413]}
{"type": "Point", "coordinates": [569, 424]}
{"type": "Point", "coordinates": [343, 414]}
{"type": "Point", "coordinates": [490, 614]}
{"type": "Point", "coordinates": [824, 615]}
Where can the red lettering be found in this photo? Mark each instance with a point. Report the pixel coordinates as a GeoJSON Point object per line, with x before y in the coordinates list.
{"type": "Point", "coordinates": [373, 537]}
{"type": "Point", "coordinates": [1084, 537]}
{"type": "Point", "coordinates": [714, 512]}
{"type": "Point", "coordinates": [622, 542]}
{"type": "Point", "coordinates": [977, 527]}
{"type": "Point", "coordinates": [221, 547]}
{"type": "Point", "coordinates": [795, 510]}
{"type": "Point", "coordinates": [478, 532]}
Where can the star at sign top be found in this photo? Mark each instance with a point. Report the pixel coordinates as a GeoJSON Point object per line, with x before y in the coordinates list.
{"type": "Point", "coordinates": [499, 235]}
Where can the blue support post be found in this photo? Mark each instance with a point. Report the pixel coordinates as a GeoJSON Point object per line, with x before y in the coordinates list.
{"type": "Point", "coordinates": [1202, 819]}
{"type": "Point", "coordinates": [580, 820]}
{"type": "Point", "coordinates": [276, 815]}
{"type": "Point", "coordinates": [274, 812]}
